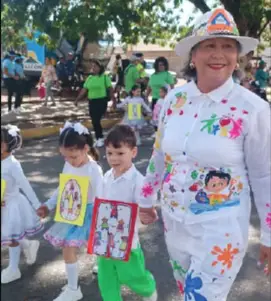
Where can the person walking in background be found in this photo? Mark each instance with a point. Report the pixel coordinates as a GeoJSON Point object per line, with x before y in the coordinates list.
{"type": "Point", "coordinates": [135, 103]}
{"type": "Point", "coordinates": [48, 77]}
{"type": "Point", "coordinates": [61, 72]}
{"type": "Point", "coordinates": [98, 88]}
{"type": "Point", "coordinates": [262, 77]}
{"type": "Point", "coordinates": [161, 78]}
{"type": "Point", "coordinates": [119, 73]}
{"type": "Point", "coordinates": [131, 74]}
{"type": "Point", "coordinates": [19, 71]}
{"type": "Point", "coordinates": [70, 67]}
{"type": "Point", "coordinates": [142, 73]}
{"type": "Point", "coordinates": [9, 76]}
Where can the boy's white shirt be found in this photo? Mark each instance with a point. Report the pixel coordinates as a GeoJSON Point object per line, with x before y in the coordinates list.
{"type": "Point", "coordinates": [125, 188]}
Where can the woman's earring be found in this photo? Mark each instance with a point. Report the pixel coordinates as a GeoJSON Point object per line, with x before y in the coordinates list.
{"type": "Point", "coordinates": [192, 65]}
{"type": "Point", "coordinates": [237, 66]}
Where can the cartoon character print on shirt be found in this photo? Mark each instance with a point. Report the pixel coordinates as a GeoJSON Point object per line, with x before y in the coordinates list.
{"type": "Point", "coordinates": [177, 104]}
{"type": "Point", "coordinates": [214, 190]}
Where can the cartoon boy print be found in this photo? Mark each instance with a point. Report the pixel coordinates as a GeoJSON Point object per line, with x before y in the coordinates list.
{"type": "Point", "coordinates": [215, 182]}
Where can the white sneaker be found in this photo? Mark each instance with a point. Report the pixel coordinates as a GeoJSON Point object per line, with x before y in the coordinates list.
{"type": "Point", "coordinates": [31, 252]}
{"type": "Point", "coordinates": [153, 297]}
{"type": "Point", "coordinates": [70, 295]}
{"type": "Point", "coordinates": [100, 142]}
{"type": "Point", "coordinates": [95, 269]}
{"type": "Point", "coordinates": [9, 275]}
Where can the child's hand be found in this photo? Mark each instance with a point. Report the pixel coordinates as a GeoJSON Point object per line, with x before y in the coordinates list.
{"type": "Point", "coordinates": [43, 211]}
{"type": "Point", "coordinates": [148, 215]}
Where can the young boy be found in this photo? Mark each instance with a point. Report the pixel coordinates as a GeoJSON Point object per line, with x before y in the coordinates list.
{"type": "Point", "coordinates": [122, 183]}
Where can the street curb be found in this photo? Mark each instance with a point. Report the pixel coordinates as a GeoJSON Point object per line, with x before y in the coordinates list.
{"type": "Point", "coordinates": [43, 132]}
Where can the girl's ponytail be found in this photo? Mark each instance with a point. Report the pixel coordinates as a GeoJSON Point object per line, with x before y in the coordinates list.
{"type": "Point", "coordinates": [94, 153]}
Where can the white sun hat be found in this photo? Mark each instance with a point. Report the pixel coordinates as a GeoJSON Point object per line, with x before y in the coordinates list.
{"type": "Point", "coordinates": [218, 23]}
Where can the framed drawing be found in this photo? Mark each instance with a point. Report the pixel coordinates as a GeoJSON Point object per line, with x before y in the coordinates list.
{"type": "Point", "coordinates": [112, 229]}
{"type": "Point", "coordinates": [72, 199]}
{"type": "Point", "coordinates": [3, 189]}
{"type": "Point", "coordinates": [134, 111]}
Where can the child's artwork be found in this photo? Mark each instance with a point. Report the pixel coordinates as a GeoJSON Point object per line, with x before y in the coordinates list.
{"type": "Point", "coordinates": [72, 199]}
{"type": "Point", "coordinates": [134, 111]}
{"type": "Point", "coordinates": [112, 229]}
{"type": "Point", "coordinates": [3, 189]}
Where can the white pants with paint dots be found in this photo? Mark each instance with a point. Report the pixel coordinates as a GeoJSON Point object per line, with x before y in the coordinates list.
{"type": "Point", "coordinates": [206, 257]}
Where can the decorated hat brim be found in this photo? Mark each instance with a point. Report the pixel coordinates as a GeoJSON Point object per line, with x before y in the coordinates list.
{"type": "Point", "coordinates": [184, 47]}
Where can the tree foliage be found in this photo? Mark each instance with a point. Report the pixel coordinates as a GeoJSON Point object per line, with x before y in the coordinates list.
{"type": "Point", "coordinates": [150, 20]}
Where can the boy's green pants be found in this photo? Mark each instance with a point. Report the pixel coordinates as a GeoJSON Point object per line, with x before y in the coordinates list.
{"type": "Point", "coordinates": [112, 274]}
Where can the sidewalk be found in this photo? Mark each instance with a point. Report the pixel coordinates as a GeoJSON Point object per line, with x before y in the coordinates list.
{"type": "Point", "coordinates": [37, 121]}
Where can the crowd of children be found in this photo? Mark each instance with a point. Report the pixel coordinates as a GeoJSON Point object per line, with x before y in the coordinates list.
{"type": "Point", "coordinates": [21, 215]}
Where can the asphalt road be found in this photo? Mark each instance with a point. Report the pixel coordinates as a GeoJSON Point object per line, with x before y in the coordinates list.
{"type": "Point", "coordinates": [43, 281]}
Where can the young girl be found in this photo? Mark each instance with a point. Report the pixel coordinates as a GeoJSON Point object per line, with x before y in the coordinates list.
{"type": "Point", "coordinates": [158, 106]}
{"type": "Point", "coordinates": [75, 143]}
{"type": "Point", "coordinates": [18, 217]}
{"type": "Point", "coordinates": [134, 118]}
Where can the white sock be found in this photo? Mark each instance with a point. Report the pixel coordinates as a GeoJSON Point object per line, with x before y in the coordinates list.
{"type": "Point", "coordinates": [14, 257]}
{"type": "Point", "coordinates": [72, 272]}
{"type": "Point", "coordinates": [25, 243]}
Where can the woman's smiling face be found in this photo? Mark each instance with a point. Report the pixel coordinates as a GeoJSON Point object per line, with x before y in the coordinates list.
{"type": "Point", "coordinates": [215, 60]}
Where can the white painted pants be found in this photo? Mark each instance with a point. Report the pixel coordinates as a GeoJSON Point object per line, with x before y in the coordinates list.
{"type": "Point", "coordinates": [206, 257]}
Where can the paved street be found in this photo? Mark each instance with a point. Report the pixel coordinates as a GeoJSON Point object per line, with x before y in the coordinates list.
{"type": "Point", "coordinates": [43, 281]}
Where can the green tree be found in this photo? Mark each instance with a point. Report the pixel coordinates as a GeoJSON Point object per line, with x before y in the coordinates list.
{"type": "Point", "coordinates": [150, 20]}
{"type": "Point", "coordinates": [252, 16]}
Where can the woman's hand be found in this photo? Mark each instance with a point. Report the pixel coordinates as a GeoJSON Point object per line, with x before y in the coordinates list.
{"type": "Point", "coordinates": [43, 211]}
{"type": "Point", "coordinates": [148, 215]}
{"type": "Point", "coordinates": [265, 257]}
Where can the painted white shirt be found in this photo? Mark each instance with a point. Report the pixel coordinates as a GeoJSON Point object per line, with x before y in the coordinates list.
{"type": "Point", "coordinates": [125, 188]}
{"type": "Point", "coordinates": [12, 173]}
{"type": "Point", "coordinates": [91, 170]}
{"type": "Point", "coordinates": [209, 149]}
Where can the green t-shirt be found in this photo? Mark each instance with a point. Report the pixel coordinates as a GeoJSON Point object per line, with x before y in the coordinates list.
{"type": "Point", "coordinates": [97, 86]}
{"type": "Point", "coordinates": [262, 77]}
{"type": "Point", "coordinates": [159, 80]}
{"type": "Point", "coordinates": [131, 74]}
{"type": "Point", "coordinates": [141, 70]}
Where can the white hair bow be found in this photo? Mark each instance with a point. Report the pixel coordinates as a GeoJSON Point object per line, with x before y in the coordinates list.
{"type": "Point", "coordinates": [78, 127]}
{"type": "Point", "coordinates": [13, 130]}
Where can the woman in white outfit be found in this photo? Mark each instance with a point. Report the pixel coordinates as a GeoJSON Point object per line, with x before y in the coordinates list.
{"type": "Point", "coordinates": [213, 142]}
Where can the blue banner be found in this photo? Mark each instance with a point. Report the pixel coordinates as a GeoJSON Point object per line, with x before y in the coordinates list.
{"type": "Point", "coordinates": [35, 52]}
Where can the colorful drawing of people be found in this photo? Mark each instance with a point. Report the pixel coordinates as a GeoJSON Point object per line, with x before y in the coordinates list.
{"type": "Point", "coordinates": [104, 225]}
{"type": "Point", "coordinates": [124, 243]}
{"type": "Point", "coordinates": [120, 227]}
{"type": "Point", "coordinates": [225, 125]}
{"type": "Point", "coordinates": [70, 206]}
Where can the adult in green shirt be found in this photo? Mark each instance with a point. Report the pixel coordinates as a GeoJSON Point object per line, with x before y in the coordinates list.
{"type": "Point", "coordinates": [131, 74]}
{"type": "Point", "coordinates": [99, 91]}
{"type": "Point", "coordinates": [262, 76]}
{"type": "Point", "coordinates": [161, 78]}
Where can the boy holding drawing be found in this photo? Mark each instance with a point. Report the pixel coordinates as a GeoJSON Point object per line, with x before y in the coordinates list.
{"type": "Point", "coordinates": [121, 183]}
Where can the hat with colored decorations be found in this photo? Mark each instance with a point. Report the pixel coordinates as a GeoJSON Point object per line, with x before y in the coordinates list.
{"type": "Point", "coordinates": [218, 23]}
